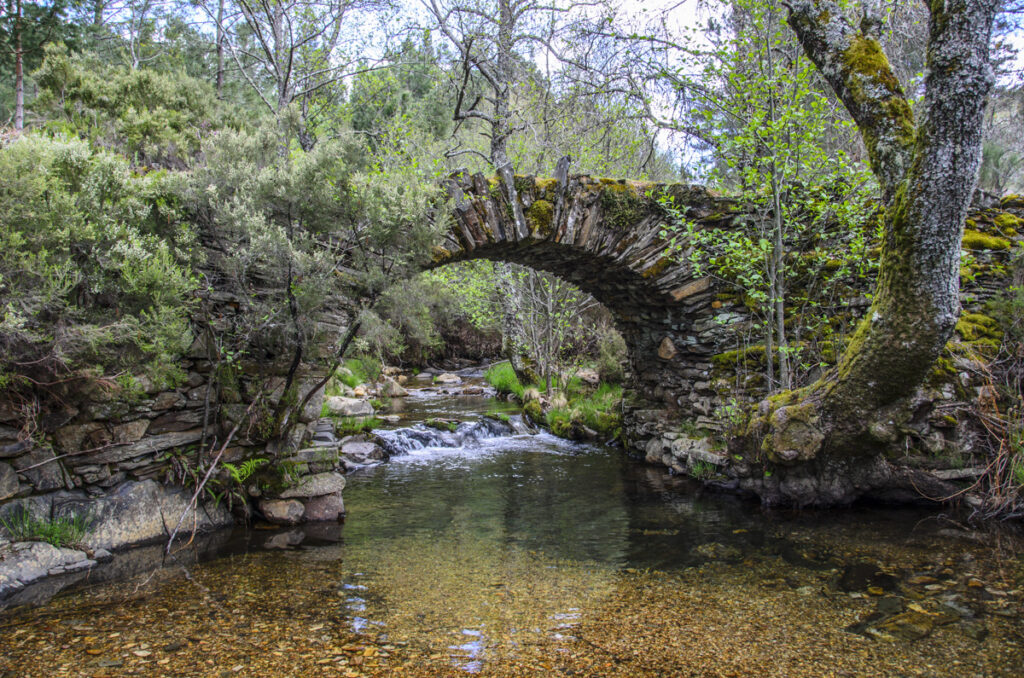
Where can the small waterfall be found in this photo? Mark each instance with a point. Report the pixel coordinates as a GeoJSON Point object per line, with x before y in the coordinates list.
{"type": "Point", "coordinates": [418, 437]}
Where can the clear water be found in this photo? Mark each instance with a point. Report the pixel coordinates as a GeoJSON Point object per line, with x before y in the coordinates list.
{"type": "Point", "coordinates": [531, 555]}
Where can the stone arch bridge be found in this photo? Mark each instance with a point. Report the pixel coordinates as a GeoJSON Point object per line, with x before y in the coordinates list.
{"type": "Point", "coordinates": [607, 237]}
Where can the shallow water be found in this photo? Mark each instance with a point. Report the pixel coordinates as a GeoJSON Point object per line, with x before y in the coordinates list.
{"type": "Point", "coordinates": [531, 555]}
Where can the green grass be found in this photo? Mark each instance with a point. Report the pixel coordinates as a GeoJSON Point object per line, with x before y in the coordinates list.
{"type": "Point", "coordinates": [597, 410]}
{"type": "Point", "coordinates": [61, 531]}
{"type": "Point", "coordinates": [353, 425]}
{"type": "Point", "coordinates": [503, 378]}
{"type": "Point", "coordinates": [702, 470]}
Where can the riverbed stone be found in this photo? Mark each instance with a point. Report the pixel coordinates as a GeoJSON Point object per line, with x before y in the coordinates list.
{"type": "Point", "coordinates": [362, 450]}
{"type": "Point", "coordinates": [282, 511]}
{"type": "Point", "coordinates": [326, 507]}
{"type": "Point", "coordinates": [448, 378]}
{"type": "Point", "coordinates": [315, 486]}
{"type": "Point", "coordinates": [348, 407]}
{"type": "Point", "coordinates": [391, 389]}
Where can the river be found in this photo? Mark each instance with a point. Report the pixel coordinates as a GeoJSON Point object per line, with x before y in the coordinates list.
{"type": "Point", "coordinates": [528, 555]}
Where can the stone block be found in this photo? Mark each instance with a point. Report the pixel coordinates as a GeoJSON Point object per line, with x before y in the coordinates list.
{"type": "Point", "coordinates": [348, 407]}
{"type": "Point", "coordinates": [168, 400]}
{"type": "Point", "coordinates": [315, 486]}
{"type": "Point", "coordinates": [282, 511]}
{"type": "Point", "coordinates": [8, 482]}
{"type": "Point", "coordinates": [326, 507]}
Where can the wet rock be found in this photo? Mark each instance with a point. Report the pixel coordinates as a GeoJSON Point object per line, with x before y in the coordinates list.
{"type": "Point", "coordinates": [362, 451]}
{"type": "Point", "coordinates": [315, 486]}
{"type": "Point", "coordinates": [717, 551]}
{"type": "Point", "coordinates": [391, 389]}
{"type": "Point", "coordinates": [978, 632]}
{"type": "Point", "coordinates": [909, 625]}
{"type": "Point", "coordinates": [327, 507]}
{"type": "Point", "coordinates": [26, 562]}
{"type": "Point", "coordinates": [862, 575]}
{"type": "Point", "coordinates": [284, 540]}
{"type": "Point", "coordinates": [448, 378]}
{"type": "Point", "coordinates": [282, 511]}
{"type": "Point", "coordinates": [473, 390]}
{"type": "Point", "coordinates": [348, 407]}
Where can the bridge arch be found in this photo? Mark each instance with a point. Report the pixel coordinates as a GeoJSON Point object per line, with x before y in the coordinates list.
{"type": "Point", "coordinates": [608, 237]}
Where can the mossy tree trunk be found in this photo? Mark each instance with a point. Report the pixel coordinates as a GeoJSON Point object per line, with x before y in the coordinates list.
{"type": "Point", "coordinates": [827, 439]}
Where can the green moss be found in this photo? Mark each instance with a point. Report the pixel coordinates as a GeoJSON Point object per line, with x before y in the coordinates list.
{"type": "Point", "coordinates": [976, 240]}
{"type": "Point", "coordinates": [1012, 200]}
{"type": "Point", "coordinates": [534, 412]}
{"type": "Point", "coordinates": [974, 327]}
{"type": "Point", "coordinates": [943, 373]}
{"type": "Point", "coordinates": [442, 424]}
{"type": "Point", "coordinates": [539, 217]}
{"type": "Point", "coordinates": [751, 357]}
{"type": "Point", "coordinates": [439, 254]}
{"type": "Point", "coordinates": [1008, 224]}
{"type": "Point", "coordinates": [622, 207]}
{"type": "Point", "coordinates": [865, 57]}
{"type": "Point", "coordinates": [971, 224]}
{"type": "Point", "coordinates": [658, 267]}
{"type": "Point", "coordinates": [546, 187]}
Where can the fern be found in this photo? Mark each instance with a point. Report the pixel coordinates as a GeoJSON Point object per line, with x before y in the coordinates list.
{"type": "Point", "coordinates": [242, 472]}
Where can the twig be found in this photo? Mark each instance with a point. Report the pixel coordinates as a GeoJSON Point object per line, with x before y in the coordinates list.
{"type": "Point", "coordinates": [193, 503]}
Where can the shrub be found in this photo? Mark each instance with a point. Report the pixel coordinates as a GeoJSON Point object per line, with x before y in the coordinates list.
{"type": "Point", "coordinates": [611, 356]}
{"type": "Point", "coordinates": [95, 267]}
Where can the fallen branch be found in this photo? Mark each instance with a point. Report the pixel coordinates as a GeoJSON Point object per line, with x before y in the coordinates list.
{"type": "Point", "coordinates": [194, 501]}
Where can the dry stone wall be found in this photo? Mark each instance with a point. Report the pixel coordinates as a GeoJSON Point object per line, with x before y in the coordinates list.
{"type": "Point", "coordinates": [687, 334]}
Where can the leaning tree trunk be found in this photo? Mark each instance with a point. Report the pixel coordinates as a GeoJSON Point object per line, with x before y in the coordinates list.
{"type": "Point", "coordinates": [827, 440]}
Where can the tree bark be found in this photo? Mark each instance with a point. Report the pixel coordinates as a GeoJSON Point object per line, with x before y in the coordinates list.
{"type": "Point", "coordinates": [19, 70]}
{"type": "Point", "coordinates": [928, 172]}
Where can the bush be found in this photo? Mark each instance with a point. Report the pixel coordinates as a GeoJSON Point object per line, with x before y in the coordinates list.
{"type": "Point", "coordinates": [95, 267]}
{"type": "Point", "coordinates": [611, 356]}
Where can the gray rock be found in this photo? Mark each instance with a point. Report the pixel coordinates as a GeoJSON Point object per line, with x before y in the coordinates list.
{"type": "Point", "coordinates": [448, 378]}
{"type": "Point", "coordinates": [168, 400]}
{"type": "Point", "coordinates": [348, 407]}
{"type": "Point", "coordinates": [147, 445]}
{"type": "Point", "coordinates": [41, 469]}
{"type": "Point", "coordinates": [316, 485]}
{"type": "Point", "coordinates": [327, 507]}
{"type": "Point", "coordinates": [363, 450]}
{"type": "Point", "coordinates": [284, 540]}
{"type": "Point", "coordinates": [391, 389]}
{"type": "Point", "coordinates": [26, 562]}
{"type": "Point", "coordinates": [140, 512]}
{"type": "Point", "coordinates": [696, 449]}
{"type": "Point", "coordinates": [8, 481]}
{"type": "Point", "coordinates": [282, 511]}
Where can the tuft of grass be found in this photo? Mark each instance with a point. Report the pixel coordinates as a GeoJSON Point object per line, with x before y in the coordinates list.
{"type": "Point", "coordinates": [598, 410]}
{"type": "Point", "coordinates": [503, 378]}
{"type": "Point", "coordinates": [353, 425]}
{"type": "Point", "coordinates": [60, 531]}
{"type": "Point", "coordinates": [701, 470]}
